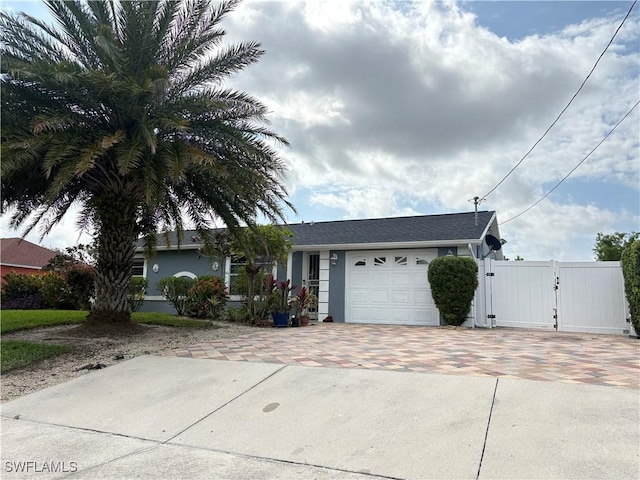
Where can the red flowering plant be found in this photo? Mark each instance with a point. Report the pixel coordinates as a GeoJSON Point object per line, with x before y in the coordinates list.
{"type": "Point", "coordinates": [207, 298]}
{"type": "Point", "coordinates": [282, 302]}
{"type": "Point", "coordinates": [303, 301]}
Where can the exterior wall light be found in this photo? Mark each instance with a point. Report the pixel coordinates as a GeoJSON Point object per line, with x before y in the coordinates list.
{"type": "Point", "coordinates": [155, 268]}
{"type": "Point", "coordinates": [334, 259]}
{"type": "Point", "coordinates": [215, 266]}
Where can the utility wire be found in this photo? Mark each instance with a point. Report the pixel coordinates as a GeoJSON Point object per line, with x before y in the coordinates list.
{"type": "Point", "coordinates": [574, 168]}
{"type": "Point", "coordinates": [565, 108]}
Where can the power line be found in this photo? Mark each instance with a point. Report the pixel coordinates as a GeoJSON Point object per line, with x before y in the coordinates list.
{"type": "Point", "coordinates": [566, 107]}
{"type": "Point", "coordinates": [574, 168]}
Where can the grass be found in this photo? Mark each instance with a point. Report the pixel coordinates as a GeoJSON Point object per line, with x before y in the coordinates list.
{"type": "Point", "coordinates": [168, 320]}
{"type": "Point", "coordinates": [14, 320]}
{"type": "Point", "coordinates": [16, 354]}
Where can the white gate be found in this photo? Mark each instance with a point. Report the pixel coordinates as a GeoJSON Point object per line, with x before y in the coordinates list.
{"type": "Point", "coordinates": [522, 297]}
{"type": "Point", "coordinates": [591, 298]}
{"type": "Point", "coordinates": [571, 297]}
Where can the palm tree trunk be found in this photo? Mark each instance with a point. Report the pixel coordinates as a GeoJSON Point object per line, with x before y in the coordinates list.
{"type": "Point", "coordinates": [116, 248]}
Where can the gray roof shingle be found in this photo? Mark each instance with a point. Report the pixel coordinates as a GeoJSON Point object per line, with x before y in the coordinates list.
{"type": "Point", "coordinates": [449, 227]}
{"type": "Point", "coordinates": [424, 228]}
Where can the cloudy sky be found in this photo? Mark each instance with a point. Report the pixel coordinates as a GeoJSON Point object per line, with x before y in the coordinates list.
{"type": "Point", "coordinates": [407, 108]}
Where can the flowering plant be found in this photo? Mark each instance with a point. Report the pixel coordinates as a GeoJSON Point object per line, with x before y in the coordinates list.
{"type": "Point", "coordinates": [282, 302]}
{"type": "Point", "coordinates": [206, 298]}
{"type": "Point", "coordinates": [303, 301]}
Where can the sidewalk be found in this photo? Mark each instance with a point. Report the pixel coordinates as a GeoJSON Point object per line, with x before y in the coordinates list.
{"type": "Point", "coordinates": [162, 417]}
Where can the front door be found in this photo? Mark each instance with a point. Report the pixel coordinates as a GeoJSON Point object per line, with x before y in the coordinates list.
{"type": "Point", "coordinates": [311, 277]}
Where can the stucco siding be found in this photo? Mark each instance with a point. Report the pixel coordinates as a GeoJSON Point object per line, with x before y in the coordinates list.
{"type": "Point", "coordinates": [296, 268]}
{"type": "Point", "coordinates": [337, 286]}
{"type": "Point", "coordinates": [172, 262]}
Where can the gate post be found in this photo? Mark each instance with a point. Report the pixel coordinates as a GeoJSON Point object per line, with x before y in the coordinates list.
{"type": "Point", "coordinates": [489, 318]}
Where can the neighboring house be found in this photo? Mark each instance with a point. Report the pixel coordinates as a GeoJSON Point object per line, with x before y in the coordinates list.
{"type": "Point", "coordinates": [20, 256]}
{"type": "Point", "coordinates": [365, 271]}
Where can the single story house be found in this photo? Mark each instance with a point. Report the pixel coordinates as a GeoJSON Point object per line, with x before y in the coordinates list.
{"type": "Point", "coordinates": [365, 271]}
{"type": "Point", "coordinates": [20, 256]}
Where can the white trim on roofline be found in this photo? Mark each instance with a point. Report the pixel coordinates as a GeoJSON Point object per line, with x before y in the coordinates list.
{"type": "Point", "coordinates": [33, 267]}
{"type": "Point", "coordinates": [386, 245]}
{"type": "Point", "coordinates": [361, 246]}
{"type": "Point", "coordinates": [163, 248]}
{"type": "Point", "coordinates": [489, 223]}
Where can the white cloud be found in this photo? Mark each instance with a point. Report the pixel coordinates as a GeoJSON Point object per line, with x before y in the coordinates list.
{"type": "Point", "coordinates": [398, 108]}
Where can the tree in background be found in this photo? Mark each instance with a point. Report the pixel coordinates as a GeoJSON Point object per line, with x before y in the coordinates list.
{"type": "Point", "coordinates": [609, 247]}
{"type": "Point", "coordinates": [259, 247]}
{"type": "Point", "coordinates": [119, 108]}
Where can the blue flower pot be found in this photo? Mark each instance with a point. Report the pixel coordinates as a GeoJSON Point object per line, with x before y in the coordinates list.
{"type": "Point", "coordinates": [281, 319]}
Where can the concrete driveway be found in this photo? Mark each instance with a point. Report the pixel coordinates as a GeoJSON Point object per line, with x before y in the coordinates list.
{"type": "Point", "coordinates": [167, 417]}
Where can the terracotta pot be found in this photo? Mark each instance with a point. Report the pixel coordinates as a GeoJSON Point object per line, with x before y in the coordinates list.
{"type": "Point", "coordinates": [304, 320]}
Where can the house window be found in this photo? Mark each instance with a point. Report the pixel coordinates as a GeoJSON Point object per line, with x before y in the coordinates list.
{"type": "Point", "coordinates": [421, 261]}
{"type": "Point", "coordinates": [138, 267]}
{"type": "Point", "coordinates": [379, 261]}
{"type": "Point", "coordinates": [401, 261]}
{"type": "Point", "coordinates": [236, 266]}
{"type": "Point", "coordinates": [361, 263]}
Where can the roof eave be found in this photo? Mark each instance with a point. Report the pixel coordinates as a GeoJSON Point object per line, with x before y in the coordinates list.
{"type": "Point", "coordinates": [386, 245]}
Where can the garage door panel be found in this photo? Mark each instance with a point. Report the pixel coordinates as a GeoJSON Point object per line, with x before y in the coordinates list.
{"type": "Point", "coordinates": [390, 286]}
{"type": "Point", "coordinates": [401, 278]}
{"type": "Point", "coordinates": [423, 297]}
{"type": "Point", "coordinates": [359, 315]}
{"type": "Point", "coordinates": [360, 296]}
{"type": "Point", "coordinates": [360, 279]}
{"type": "Point", "coordinates": [380, 278]}
{"type": "Point", "coordinates": [426, 316]}
{"type": "Point", "coordinates": [379, 295]}
{"type": "Point", "coordinates": [419, 277]}
{"type": "Point", "coordinates": [401, 297]}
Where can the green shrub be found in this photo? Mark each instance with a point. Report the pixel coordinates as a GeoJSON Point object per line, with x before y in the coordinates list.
{"type": "Point", "coordinates": [630, 261]}
{"type": "Point", "coordinates": [55, 292]}
{"type": "Point", "coordinates": [80, 282]}
{"type": "Point", "coordinates": [453, 284]}
{"type": "Point", "coordinates": [18, 285]}
{"type": "Point", "coordinates": [137, 289]}
{"type": "Point", "coordinates": [174, 290]}
{"type": "Point", "coordinates": [237, 314]}
{"type": "Point", "coordinates": [207, 298]}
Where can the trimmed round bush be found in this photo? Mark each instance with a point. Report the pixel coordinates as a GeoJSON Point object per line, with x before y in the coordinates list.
{"type": "Point", "coordinates": [454, 281]}
{"type": "Point", "coordinates": [630, 261]}
{"type": "Point", "coordinates": [175, 290]}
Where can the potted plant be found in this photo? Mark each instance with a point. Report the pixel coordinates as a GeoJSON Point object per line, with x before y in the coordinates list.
{"type": "Point", "coordinates": [281, 304]}
{"type": "Point", "coordinates": [302, 302]}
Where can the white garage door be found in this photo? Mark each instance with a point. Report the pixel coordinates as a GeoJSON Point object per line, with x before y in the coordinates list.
{"type": "Point", "coordinates": [390, 286]}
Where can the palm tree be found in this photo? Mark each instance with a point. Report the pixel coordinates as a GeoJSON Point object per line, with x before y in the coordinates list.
{"type": "Point", "coordinates": [121, 110]}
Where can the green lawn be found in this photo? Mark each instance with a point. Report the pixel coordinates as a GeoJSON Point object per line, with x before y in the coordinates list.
{"type": "Point", "coordinates": [15, 354]}
{"type": "Point", "coordinates": [14, 320]}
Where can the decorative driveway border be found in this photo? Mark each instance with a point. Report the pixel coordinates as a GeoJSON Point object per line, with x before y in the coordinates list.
{"type": "Point", "coordinates": [535, 355]}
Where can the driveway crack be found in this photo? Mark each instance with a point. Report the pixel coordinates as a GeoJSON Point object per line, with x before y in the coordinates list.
{"type": "Point", "coordinates": [486, 433]}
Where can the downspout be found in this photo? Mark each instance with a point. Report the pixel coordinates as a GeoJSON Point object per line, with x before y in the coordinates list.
{"type": "Point", "coordinates": [474, 309]}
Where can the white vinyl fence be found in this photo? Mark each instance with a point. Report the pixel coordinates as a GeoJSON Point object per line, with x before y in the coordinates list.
{"type": "Point", "coordinates": [563, 296]}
